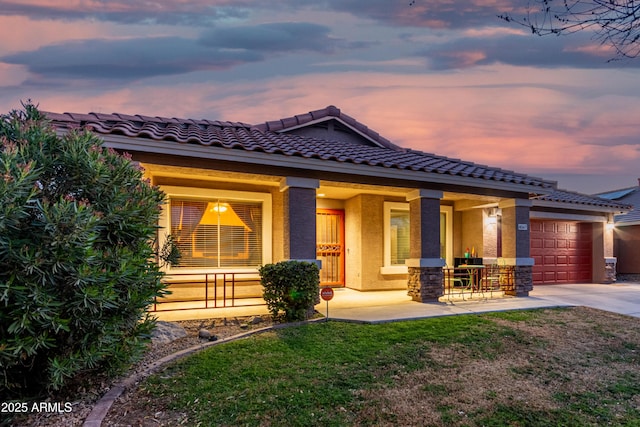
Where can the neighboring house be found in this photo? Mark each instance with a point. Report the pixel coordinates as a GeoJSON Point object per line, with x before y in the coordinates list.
{"type": "Point", "coordinates": [627, 232]}
{"type": "Point", "coordinates": [323, 186]}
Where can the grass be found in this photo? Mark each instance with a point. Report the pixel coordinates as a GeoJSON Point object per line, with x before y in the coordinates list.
{"type": "Point", "coordinates": [546, 367]}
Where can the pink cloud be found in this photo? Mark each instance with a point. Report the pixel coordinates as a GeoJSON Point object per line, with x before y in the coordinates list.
{"type": "Point", "coordinates": [21, 33]}
{"type": "Point", "coordinates": [490, 117]}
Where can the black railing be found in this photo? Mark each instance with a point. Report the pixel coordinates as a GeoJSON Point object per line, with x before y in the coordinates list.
{"type": "Point", "coordinates": [478, 279]}
{"type": "Point", "coordinates": [189, 291]}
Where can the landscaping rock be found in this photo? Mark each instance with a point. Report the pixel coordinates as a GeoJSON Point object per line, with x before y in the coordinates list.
{"type": "Point", "coordinates": [204, 334]}
{"type": "Point", "coordinates": [166, 332]}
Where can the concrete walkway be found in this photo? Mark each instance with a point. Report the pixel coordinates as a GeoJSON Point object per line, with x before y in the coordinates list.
{"type": "Point", "coordinates": [376, 307]}
{"type": "Point", "coordinates": [385, 306]}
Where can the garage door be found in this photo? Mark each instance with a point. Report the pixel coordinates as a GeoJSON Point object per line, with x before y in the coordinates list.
{"type": "Point", "coordinates": [561, 251]}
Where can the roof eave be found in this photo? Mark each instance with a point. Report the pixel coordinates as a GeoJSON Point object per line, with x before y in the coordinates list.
{"type": "Point", "coordinates": [578, 206]}
{"type": "Point", "coordinates": [627, 224]}
{"type": "Point", "coordinates": [125, 143]}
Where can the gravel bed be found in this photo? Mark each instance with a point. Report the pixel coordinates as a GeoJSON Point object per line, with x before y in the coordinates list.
{"type": "Point", "coordinates": [75, 410]}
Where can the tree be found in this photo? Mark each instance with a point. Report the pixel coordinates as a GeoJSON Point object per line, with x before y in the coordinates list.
{"type": "Point", "coordinates": [77, 259]}
{"type": "Point", "coordinates": [614, 22]}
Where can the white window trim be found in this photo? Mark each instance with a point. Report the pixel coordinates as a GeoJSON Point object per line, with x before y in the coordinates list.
{"type": "Point", "coordinates": [209, 194]}
{"type": "Point", "coordinates": [387, 268]}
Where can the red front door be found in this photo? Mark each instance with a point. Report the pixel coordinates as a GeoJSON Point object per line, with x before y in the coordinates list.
{"type": "Point", "coordinates": [330, 246]}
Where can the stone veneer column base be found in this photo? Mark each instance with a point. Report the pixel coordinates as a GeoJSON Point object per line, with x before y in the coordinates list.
{"type": "Point", "coordinates": [522, 281]}
{"type": "Point", "coordinates": [425, 284]}
{"type": "Point", "coordinates": [610, 270]}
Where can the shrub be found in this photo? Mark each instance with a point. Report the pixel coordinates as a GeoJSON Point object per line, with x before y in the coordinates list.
{"type": "Point", "coordinates": [77, 269]}
{"type": "Point", "coordinates": [291, 289]}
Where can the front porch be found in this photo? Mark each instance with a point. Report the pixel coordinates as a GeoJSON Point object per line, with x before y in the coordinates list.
{"type": "Point", "coordinates": [219, 295]}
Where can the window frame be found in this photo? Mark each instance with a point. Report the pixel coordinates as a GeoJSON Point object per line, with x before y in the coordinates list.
{"type": "Point", "coordinates": [388, 268]}
{"type": "Point", "coordinates": [207, 195]}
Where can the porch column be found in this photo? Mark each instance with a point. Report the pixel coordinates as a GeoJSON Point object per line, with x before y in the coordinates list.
{"type": "Point", "coordinates": [425, 282]}
{"type": "Point", "coordinates": [610, 261]}
{"type": "Point", "coordinates": [603, 261]}
{"type": "Point", "coordinates": [516, 244]}
{"type": "Point", "coordinates": [299, 218]}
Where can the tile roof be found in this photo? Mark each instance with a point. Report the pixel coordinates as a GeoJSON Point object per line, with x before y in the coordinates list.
{"type": "Point", "coordinates": [629, 195]}
{"type": "Point", "coordinates": [328, 113]}
{"type": "Point", "coordinates": [571, 197]}
{"type": "Point", "coordinates": [617, 194]}
{"type": "Point", "coordinates": [263, 138]}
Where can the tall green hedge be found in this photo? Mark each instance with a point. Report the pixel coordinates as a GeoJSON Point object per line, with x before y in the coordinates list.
{"type": "Point", "coordinates": [77, 269]}
{"type": "Point", "coordinates": [291, 289]}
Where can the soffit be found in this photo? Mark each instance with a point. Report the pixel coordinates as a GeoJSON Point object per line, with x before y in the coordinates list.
{"type": "Point", "coordinates": [329, 189]}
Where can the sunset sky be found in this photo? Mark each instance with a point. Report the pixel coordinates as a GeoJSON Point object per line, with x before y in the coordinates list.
{"type": "Point", "coordinates": [442, 76]}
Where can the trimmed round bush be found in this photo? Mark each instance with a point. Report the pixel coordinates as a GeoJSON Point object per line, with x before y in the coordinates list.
{"type": "Point", "coordinates": [291, 289]}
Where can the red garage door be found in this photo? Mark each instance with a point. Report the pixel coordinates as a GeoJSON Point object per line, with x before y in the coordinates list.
{"type": "Point", "coordinates": [561, 251]}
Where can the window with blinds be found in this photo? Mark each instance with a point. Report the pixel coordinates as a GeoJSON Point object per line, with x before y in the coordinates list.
{"type": "Point", "coordinates": [399, 233]}
{"type": "Point", "coordinates": [217, 233]}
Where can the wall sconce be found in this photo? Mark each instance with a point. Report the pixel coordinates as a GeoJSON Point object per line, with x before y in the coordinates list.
{"type": "Point", "coordinates": [610, 226]}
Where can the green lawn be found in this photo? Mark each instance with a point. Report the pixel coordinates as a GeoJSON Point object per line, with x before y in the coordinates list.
{"type": "Point", "coordinates": [526, 368]}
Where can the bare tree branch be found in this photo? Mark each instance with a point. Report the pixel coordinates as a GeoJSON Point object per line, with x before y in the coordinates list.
{"type": "Point", "coordinates": [615, 23]}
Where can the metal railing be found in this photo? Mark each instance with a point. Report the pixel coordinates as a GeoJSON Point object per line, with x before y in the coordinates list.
{"type": "Point", "coordinates": [481, 280]}
{"type": "Point", "coordinates": [189, 291]}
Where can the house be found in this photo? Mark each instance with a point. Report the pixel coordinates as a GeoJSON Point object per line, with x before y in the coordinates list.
{"type": "Point", "coordinates": [626, 244]}
{"type": "Point", "coordinates": [324, 187]}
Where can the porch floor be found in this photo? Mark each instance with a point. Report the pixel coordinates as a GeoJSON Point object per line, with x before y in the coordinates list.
{"type": "Point", "coordinates": [385, 306]}
{"type": "Point", "coordinates": [346, 301]}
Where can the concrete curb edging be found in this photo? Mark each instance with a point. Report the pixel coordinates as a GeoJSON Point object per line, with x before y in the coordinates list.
{"type": "Point", "coordinates": [102, 406]}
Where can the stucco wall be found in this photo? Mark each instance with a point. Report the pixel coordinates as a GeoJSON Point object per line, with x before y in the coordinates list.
{"type": "Point", "coordinates": [472, 232]}
{"type": "Point", "coordinates": [278, 225]}
{"type": "Point", "coordinates": [364, 236]}
{"type": "Point", "coordinates": [353, 243]}
{"type": "Point", "coordinates": [490, 236]}
{"type": "Point", "coordinates": [598, 252]}
{"type": "Point", "coordinates": [627, 249]}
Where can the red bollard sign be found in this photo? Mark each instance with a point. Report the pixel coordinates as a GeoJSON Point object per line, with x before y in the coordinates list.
{"type": "Point", "coordinates": [326, 294]}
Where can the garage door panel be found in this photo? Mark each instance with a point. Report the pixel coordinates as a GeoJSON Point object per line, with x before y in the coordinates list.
{"type": "Point", "coordinates": [579, 276]}
{"type": "Point", "coordinates": [574, 244]}
{"type": "Point", "coordinates": [562, 251]}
